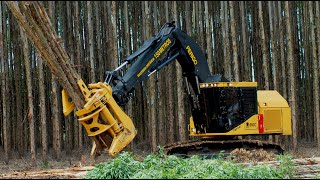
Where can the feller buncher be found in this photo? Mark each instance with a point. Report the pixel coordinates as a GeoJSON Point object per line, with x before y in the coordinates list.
{"type": "Point", "coordinates": [221, 110]}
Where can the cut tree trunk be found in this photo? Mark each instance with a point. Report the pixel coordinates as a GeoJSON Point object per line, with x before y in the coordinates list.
{"type": "Point", "coordinates": [32, 17]}
{"type": "Point", "coordinates": [34, 20]}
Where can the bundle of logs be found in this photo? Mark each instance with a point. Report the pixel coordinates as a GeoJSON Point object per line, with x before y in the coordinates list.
{"type": "Point", "coordinates": [35, 22]}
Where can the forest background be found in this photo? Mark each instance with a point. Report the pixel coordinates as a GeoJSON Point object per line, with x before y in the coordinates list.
{"type": "Point", "coordinates": [274, 43]}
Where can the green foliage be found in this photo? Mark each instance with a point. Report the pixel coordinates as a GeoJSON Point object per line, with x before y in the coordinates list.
{"type": "Point", "coordinates": [161, 166]}
{"type": "Point", "coordinates": [286, 166]}
{"type": "Point", "coordinates": [45, 164]}
{"type": "Point", "coordinates": [122, 167]}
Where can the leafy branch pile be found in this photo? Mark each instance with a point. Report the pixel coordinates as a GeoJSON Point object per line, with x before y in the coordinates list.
{"type": "Point", "coordinates": [160, 166]}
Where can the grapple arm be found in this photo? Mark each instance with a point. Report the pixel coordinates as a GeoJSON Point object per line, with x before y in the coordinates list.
{"type": "Point", "coordinates": [104, 121]}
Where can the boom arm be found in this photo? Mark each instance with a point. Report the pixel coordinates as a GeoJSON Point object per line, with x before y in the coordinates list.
{"type": "Point", "coordinates": [169, 44]}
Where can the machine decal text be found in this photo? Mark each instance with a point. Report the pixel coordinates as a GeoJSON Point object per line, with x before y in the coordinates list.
{"type": "Point", "coordinates": [194, 59]}
{"type": "Point", "coordinates": [163, 47]}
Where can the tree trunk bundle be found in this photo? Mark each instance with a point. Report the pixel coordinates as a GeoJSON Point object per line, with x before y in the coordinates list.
{"type": "Point", "coordinates": [33, 19]}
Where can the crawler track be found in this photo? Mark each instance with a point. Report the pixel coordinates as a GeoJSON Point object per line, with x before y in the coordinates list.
{"type": "Point", "coordinates": [213, 148]}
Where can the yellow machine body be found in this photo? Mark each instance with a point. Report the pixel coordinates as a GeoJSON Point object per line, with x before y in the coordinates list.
{"type": "Point", "coordinates": [112, 130]}
{"type": "Point", "coordinates": [273, 117]}
{"type": "Point", "coordinates": [104, 121]}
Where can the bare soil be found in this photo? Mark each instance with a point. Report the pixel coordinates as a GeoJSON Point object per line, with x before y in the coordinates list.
{"type": "Point", "coordinates": [75, 167]}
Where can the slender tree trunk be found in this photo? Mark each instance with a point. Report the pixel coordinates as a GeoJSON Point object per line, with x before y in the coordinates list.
{"type": "Point", "coordinates": [304, 64]}
{"type": "Point", "coordinates": [4, 87]}
{"type": "Point", "coordinates": [315, 74]}
{"type": "Point", "coordinates": [253, 38]}
{"type": "Point", "coordinates": [127, 29]}
{"type": "Point", "coordinates": [11, 90]}
{"type": "Point", "coordinates": [265, 65]}
{"type": "Point", "coordinates": [43, 114]}
{"type": "Point", "coordinates": [170, 94]}
{"type": "Point", "coordinates": [227, 64]}
{"type": "Point", "coordinates": [296, 66]}
{"type": "Point", "coordinates": [181, 111]}
{"type": "Point", "coordinates": [71, 51]}
{"type": "Point", "coordinates": [292, 94]}
{"type": "Point", "coordinates": [12, 113]}
{"type": "Point", "coordinates": [283, 61]}
{"type": "Point", "coordinates": [91, 40]}
{"type": "Point", "coordinates": [303, 89]}
{"type": "Point", "coordinates": [317, 114]}
{"type": "Point", "coordinates": [129, 106]}
{"type": "Point", "coordinates": [245, 55]}
{"type": "Point", "coordinates": [77, 62]}
{"type": "Point", "coordinates": [68, 143]}
{"type": "Point", "coordinates": [54, 96]}
{"type": "Point", "coordinates": [223, 32]}
{"type": "Point", "coordinates": [234, 42]}
{"type": "Point", "coordinates": [98, 36]}
{"type": "Point", "coordinates": [17, 84]}
{"type": "Point", "coordinates": [213, 36]}
{"type": "Point", "coordinates": [114, 60]}
{"type": "Point", "coordinates": [127, 45]}
{"type": "Point", "coordinates": [275, 52]}
{"type": "Point", "coordinates": [217, 39]}
{"type": "Point", "coordinates": [208, 35]}
{"type": "Point", "coordinates": [308, 62]}
{"type": "Point", "coordinates": [86, 54]}
{"type": "Point", "coordinates": [272, 53]}
{"type": "Point", "coordinates": [188, 19]}
{"type": "Point", "coordinates": [194, 17]}
{"type": "Point", "coordinates": [136, 99]}
{"type": "Point", "coordinates": [200, 25]}
{"type": "Point", "coordinates": [163, 96]}
{"type": "Point", "coordinates": [151, 86]}
{"type": "Point", "coordinates": [273, 47]}
{"type": "Point", "coordinates": [30, 97]}
{"type": "Point", "coordinates": [159, 84]}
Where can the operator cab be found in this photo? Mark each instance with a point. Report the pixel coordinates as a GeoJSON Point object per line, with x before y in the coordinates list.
{"type": "Point", "coordinates": [228, 104]}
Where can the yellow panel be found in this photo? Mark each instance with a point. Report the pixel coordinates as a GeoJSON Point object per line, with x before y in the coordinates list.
{"type": "Point", "coordinates": [272, 119]}
{"type": "Point", "coordinates": [286, 120]}
{"type": "Point", "coordinates": [67, 106]}
{"type": "Point", "coordinates": [271, 98]}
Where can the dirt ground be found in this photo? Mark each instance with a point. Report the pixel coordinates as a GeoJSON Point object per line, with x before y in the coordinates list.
{"type": "Point", "coordinates": [76, 166]}
{"type": "Point", "coordinates": [68, 167]}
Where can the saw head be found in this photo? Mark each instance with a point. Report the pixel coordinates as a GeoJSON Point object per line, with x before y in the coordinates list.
{"type": "Point", "coordinates": [111, 129]}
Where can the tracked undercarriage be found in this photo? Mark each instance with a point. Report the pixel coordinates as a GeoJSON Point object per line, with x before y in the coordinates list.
{"type": "Point", "coordinates": [217, 148]}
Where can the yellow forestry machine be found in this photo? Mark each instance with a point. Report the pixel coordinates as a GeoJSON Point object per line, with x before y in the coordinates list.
{"type": "Point", "coordinates": [222, 111]}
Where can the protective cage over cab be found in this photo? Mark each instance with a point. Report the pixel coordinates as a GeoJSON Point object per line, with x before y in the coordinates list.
{"type": "Point", "coordinates": [238, 108]}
